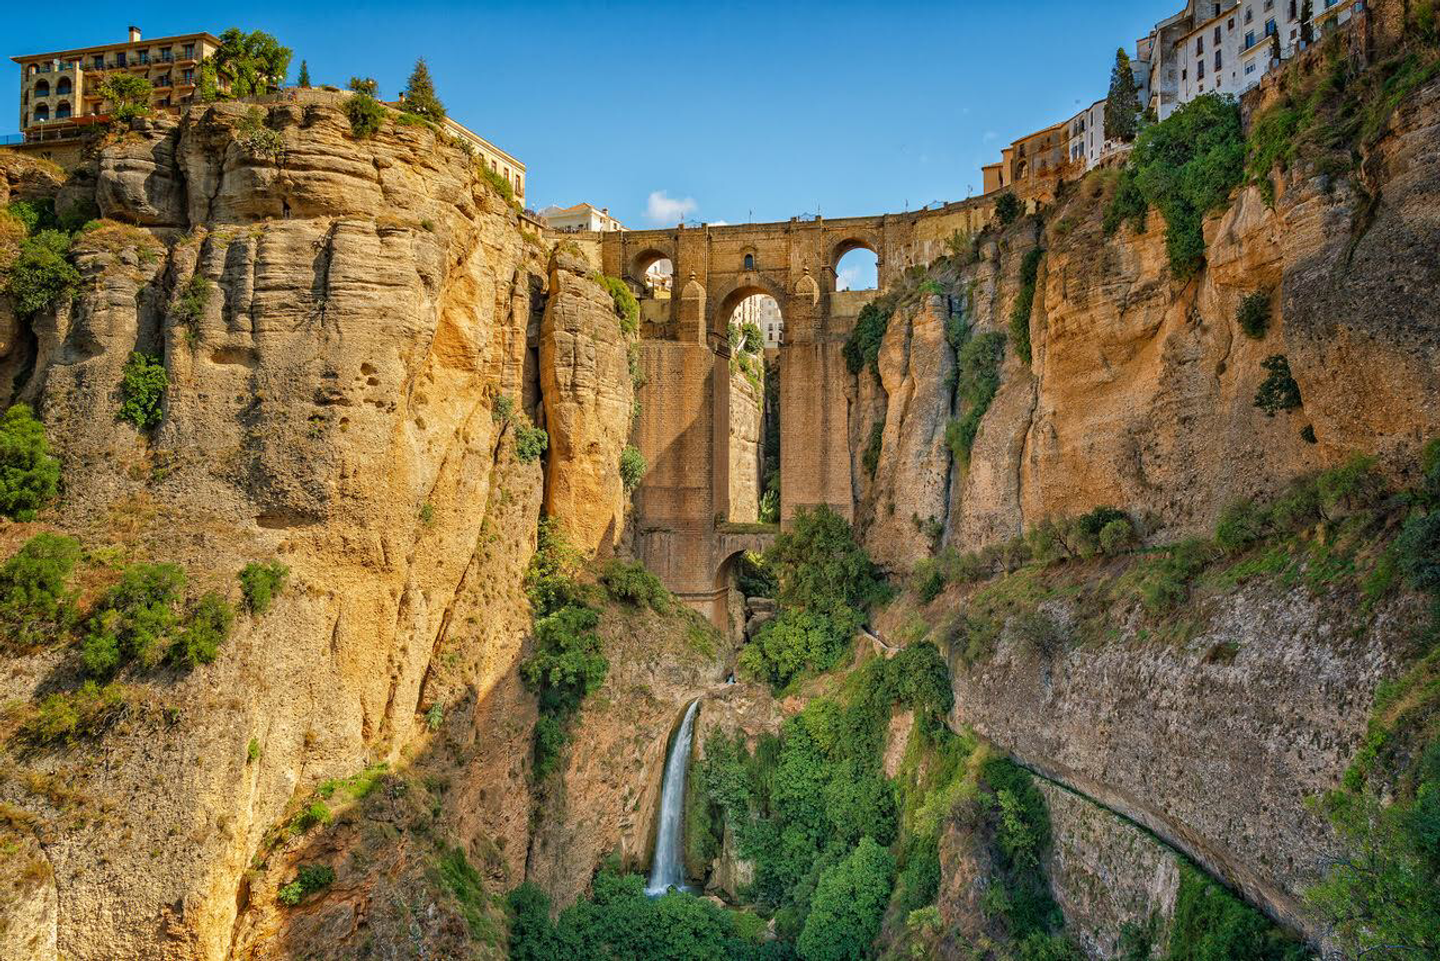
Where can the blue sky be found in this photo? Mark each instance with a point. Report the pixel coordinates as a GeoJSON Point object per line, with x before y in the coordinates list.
{"type": "Point", "coordinates": [729, 111]}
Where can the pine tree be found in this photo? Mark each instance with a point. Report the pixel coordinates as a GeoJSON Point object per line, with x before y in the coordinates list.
{"type": "Point", "coordinates": [304, 80]}
{"type": "Point", "coordinates": [420, 96]}
{"type": "Point", "coordinates": [1122, 106]}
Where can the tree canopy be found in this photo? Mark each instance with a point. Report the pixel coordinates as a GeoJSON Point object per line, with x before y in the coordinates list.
{"type": "Point", "coordinates": [420, 96]}
{"type": "Point", "coordinates": [245, 65]}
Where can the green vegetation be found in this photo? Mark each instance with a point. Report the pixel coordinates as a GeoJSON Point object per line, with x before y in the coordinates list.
{"type": "Point", "coordinates": [36, 605]}
{"type": "Point", "coordinates": [1211, 924]}
{"type": "Point", "coordinates": [1025, 303]}
{"type": "Point", "coordinates": [245, 65]}
{"type": "Point", "coordinates": [1278, 391]}
{"type": "Point", "coordinates": [618, 920]}
{"type": "Point", "coordinates": [1008, 208]}
{"type": "Point", "coordinates": [190, 305]}
{"type": "Point", "coordinates": [128, 95]}
{"type": "Point", "coordinates": [255, 137]}
{"type": "Point", "coordinates": [627, 308]}
{"type": "Point", "coordinates": [870, 460]}
{"type": "Point", "coordinates": [862, 347]}
{"type": "Point", "coordinates": [632, 467]}
{"type": "Point", "coordinates": [468, 889]}
{"type": "Point", "coordinates": [65, 717]}
{"type": "Point", "coordinates": [260, 583]}
{"type": "Point", "coordinates": [1122, 105]}
{"type": "Point", "coordinates": [142, 390]}
{"type": "Point", "coordinates": [530, 443]}
{"type": "Point", "coordinates": [208, 628]}
{"type": "Point", "coordinates": [826, 582]}
{"type": "Point", "coordinates": [303, 81]}
{"type": "Point", "coordinates": [135, 620]}
{"type": "Point", "coordinates": [848, 905]}
{"type": "Point", "coordinates": [419, 98]}
{"type": "Point", "coordinates": [366, 114]}
{"type": "Point", "coordinates": [252, 751]}
{"type": "Point", "coordinates": [568, 663]}
{"type": "Point", "coordinates": [496, 180]}
{"type": "Point", "coordinates": [1254, 315]}
{"type": "Point", "coordinates": [311, 878]}
{"type": "Point", "coordinates": [977, 381]}
{"type": "Point", "coordinates": [41, 277]}
{"type": "Point", "coordinates": [632, 583]}
{"type": "Point", "coordinates": [29, 474]}
{"type": "Point", "coordinates": [1186, 165]}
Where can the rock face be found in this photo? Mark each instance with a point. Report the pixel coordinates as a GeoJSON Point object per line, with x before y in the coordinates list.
{"type": "Point", "coordinates": [1140, 390]}
{"type": "Point", "coordinates": [585, 379]}
{"type": "Point", "coordinates": [331, 405]}
{"type": "Point", "coordinates": [747, 430]}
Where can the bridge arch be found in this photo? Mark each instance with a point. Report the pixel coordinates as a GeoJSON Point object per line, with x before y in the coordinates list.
{"type": "Point", "coordinates": [741, 291]}
{"type": "Point", "coordinates": [647, 257]}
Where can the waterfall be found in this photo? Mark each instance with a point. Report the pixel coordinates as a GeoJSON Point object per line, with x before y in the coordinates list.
{"type": "Point", "coordinates": [668, 869]}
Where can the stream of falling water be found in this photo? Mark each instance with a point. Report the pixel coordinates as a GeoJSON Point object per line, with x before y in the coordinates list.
{"type": "Point", "coordinates": [668, 869]}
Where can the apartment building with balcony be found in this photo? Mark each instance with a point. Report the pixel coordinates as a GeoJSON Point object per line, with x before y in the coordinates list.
{"type": "Point", "coordinates": [59, 90]}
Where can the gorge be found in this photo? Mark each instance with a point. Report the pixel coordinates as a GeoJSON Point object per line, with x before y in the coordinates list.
{"type": "Point", "coordinates": [382, 547]}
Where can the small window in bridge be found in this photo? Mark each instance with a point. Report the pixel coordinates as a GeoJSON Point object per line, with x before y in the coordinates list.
{"type": "Point", "coordinates": [749, 261]}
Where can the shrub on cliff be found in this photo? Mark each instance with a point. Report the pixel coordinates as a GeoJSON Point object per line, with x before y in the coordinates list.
{"type": "Point", "coordinates": [627, 308]}
{"type": "Point", "coordinates": [135, 620]}
{"type": "Point", "coordinates": [63, 717]}
{"type": "Point", "coordinates": [632, 583]}
{"type": "Point", "coordinates": [632, 467]}
{"type": "Point", "coordinates": [1278, 391]}
{"type": "Point", "coordinates": [798, 642]}
{"type": "Point", "coordinates": [35, 604]}
{"type": "Point", "coordinates": [1254, 315]}
{"type": "Point", "coordinates": [820, 567]}
{"type": "Point", "coordinates": [977, 381]}
{"type": "Point", "coordinates": [41, 277]}
{"type": "Point", "coordinates": [29, 475]}
{"type": "Point", "coordinates": [142, 390]}
{"type": "Point", "coordinates": [530, 443]}
{"type": "Point", "coordinates": [862, 347]}
{"type": "Point", "coordinates": [192, 300]}
{"type": "Point", "coordinates": [260, 583]}
{"type": "Point", "coordinates": [1418, 550]}
{"type": "Point", "coordinates": [366, 114]}
{"type": "Point", "coordinates": [1025, 303]}
{"type": "Point", "coordinates": [1008, 208]}
{"type": "Point", "coordinates": [311, 878]}
{"type": "Point", "coordinates": [1186, 165]}
{"type": "Point", "coordinates": [1211, 924]}
{"type": "Point", "coordinates": [207, 629]}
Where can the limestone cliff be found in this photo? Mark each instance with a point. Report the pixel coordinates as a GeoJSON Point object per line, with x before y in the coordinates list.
{"type": "Point", "coordinates": [354, 311]}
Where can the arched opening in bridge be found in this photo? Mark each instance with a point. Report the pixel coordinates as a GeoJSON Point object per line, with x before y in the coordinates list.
{"type": "Point", "coordinates": [744, 594]}
{"type": "Point", "coordinates": [755, 328]}
{"type": "Point", "coordinates": [856, 266]}
{"type": "Point", "coordinates": [656, 273]}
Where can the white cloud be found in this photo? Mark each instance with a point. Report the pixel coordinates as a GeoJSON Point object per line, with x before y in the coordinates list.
{"type": "Point", "coordinates": [719, 223]}
{"type": "Point", "coordinates": [664, 209]}
{"type": "Point", "coordinates": [846, 278]}
{"type": "Point", "coordinates": [990, 135]}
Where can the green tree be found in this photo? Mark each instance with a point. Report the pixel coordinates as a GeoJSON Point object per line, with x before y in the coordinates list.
{"type": "Point", "coordinates": [127, 94]}
{"type": "Point", "coordinates": [29, 475]}
{"type": "Point", "coordinates": [1122, 106]}
{"type": "Point", "coordinates": [244, 65]}
{"type": "Point", "coordinates": [420, 98]}
{"type": "Point", "coordinates": [849, 905]}
{"type": "Point", "coordinates": [1008, 208]}
{"type": "Point", "coordinates": [366, 85]}
{"type": "Point", "coordinates": [35, 605]}
{"type": "Point", "coordinates": [820, 567]}
{"type": "Point", "coordinates": [135, 620]}
{"type": "Point", "coordinates": [208, 628]}
{"type": "Point", "coordinates": [304, 80]}
{"type": "Point", "coordinates": [142, 388]}
{"type": "Point", "coordinates": [41, 277]}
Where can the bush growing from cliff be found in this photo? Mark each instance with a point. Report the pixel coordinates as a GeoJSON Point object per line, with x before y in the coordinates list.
{"type": "Point", "coordinates": [862, 347]}
{"type": "Point", "coordinates": [632, 467]}
{"type": "Point", "coordinates": [261, 583]}
{"type": "Point", "coordinates": [41, 277]}
{"type": "Point", "coordinates": [627, 308]}
{"type": "Point", "coordinates": [1186, 165]}
{"type": "Point", "coordinates": [1025, 303]}
{"type": "Point", "coordinates": [632, 583]}
{"type": "Point", "coordinates": [530, 443]}
{"type": "Point", "coordinates": [311, 878]}
{"type": "Point", "coordinates": [1278, 391]}
{"type": "Point", "coordinates": [1418, 549]}
{"type": "Point", "coordinates": [1211, 924]}
{"type": "Point", "coordinates": [977, 381]}
{"type": "Point", "coordinates": [135, 620]}
{"type": "Point", "coordinates": [36, 605]}
{"type": "Point", "coordinates": [1008, 208]}
{"type": "Point", "coordinates": [207, 628]}
{"type": "Point", "coordinates": [820, 566]}
{"type": "Point", "coordinates": [366, 115]}
{"type": "Point", "coordinates": [870, 460]}
{"type": "Point", "coordinates": [29, 475]}
{"type": "Point", "coordinates": [64, 717]}
{"type": "Point", "coordinates": [1117, 537]}
{"type": "Point", "coordinates": [193, 299]}
{"type": "Point", "coordinates": [797, 642]}
{"type": "Point", "coordinates": [1254, 315]}
{"type": "Point", "coordinates": [143, 382]}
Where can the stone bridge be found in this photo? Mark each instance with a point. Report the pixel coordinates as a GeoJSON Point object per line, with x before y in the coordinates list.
{"type": "Point", "coordinates": [686, 530]}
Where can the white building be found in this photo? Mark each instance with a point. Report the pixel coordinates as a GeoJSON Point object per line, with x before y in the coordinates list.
{"type": "Point", "coordinates": [582, 216]}
{"type": "Point", "coordinates": [762, 311]}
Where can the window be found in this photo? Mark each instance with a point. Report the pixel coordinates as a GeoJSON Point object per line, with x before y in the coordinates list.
{"type": "Point", "coordinates": [189, 51]}
{"type": "Point", "coordinates": [1249, 68]}
{"type": "Point", "coordinates": [42, 89]}
{"type": "Point", "coordinates": [119, 58]}
{"type": "Point", "coordinates": [1199, 45]}
{"type": "Point", "coordinates": [62, 110]}
{"type": "Point", "coordinates": [1217, 34]}
{"type": "Point", "coordinates": [166, 55]}
{"type": "Point", "coordinates": [1200, 70]}
{"type": "Point", "coordinates": [749, 261]}
{"type": "Point", "coordinates": [1249, 15]}
{"type": "Point", "coordinates": [42, 113]}
{"type": "Point", "coordinates": [63, 86]}
{"type": "Point", "coordinates": [98, 61]}
{"type": "Point", "coordinates": [1270, 30]}
{"type": "Point", "coordinates": [187, 75]}
{"type": "Point", "coordinates": [144, 56]}
{"type": "Point", "coordinates": [1230, 24]}
{"type": "Point", "coordinates": [1249, 39]}
{"type": "Point", "coordinates": [1218, 63]}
